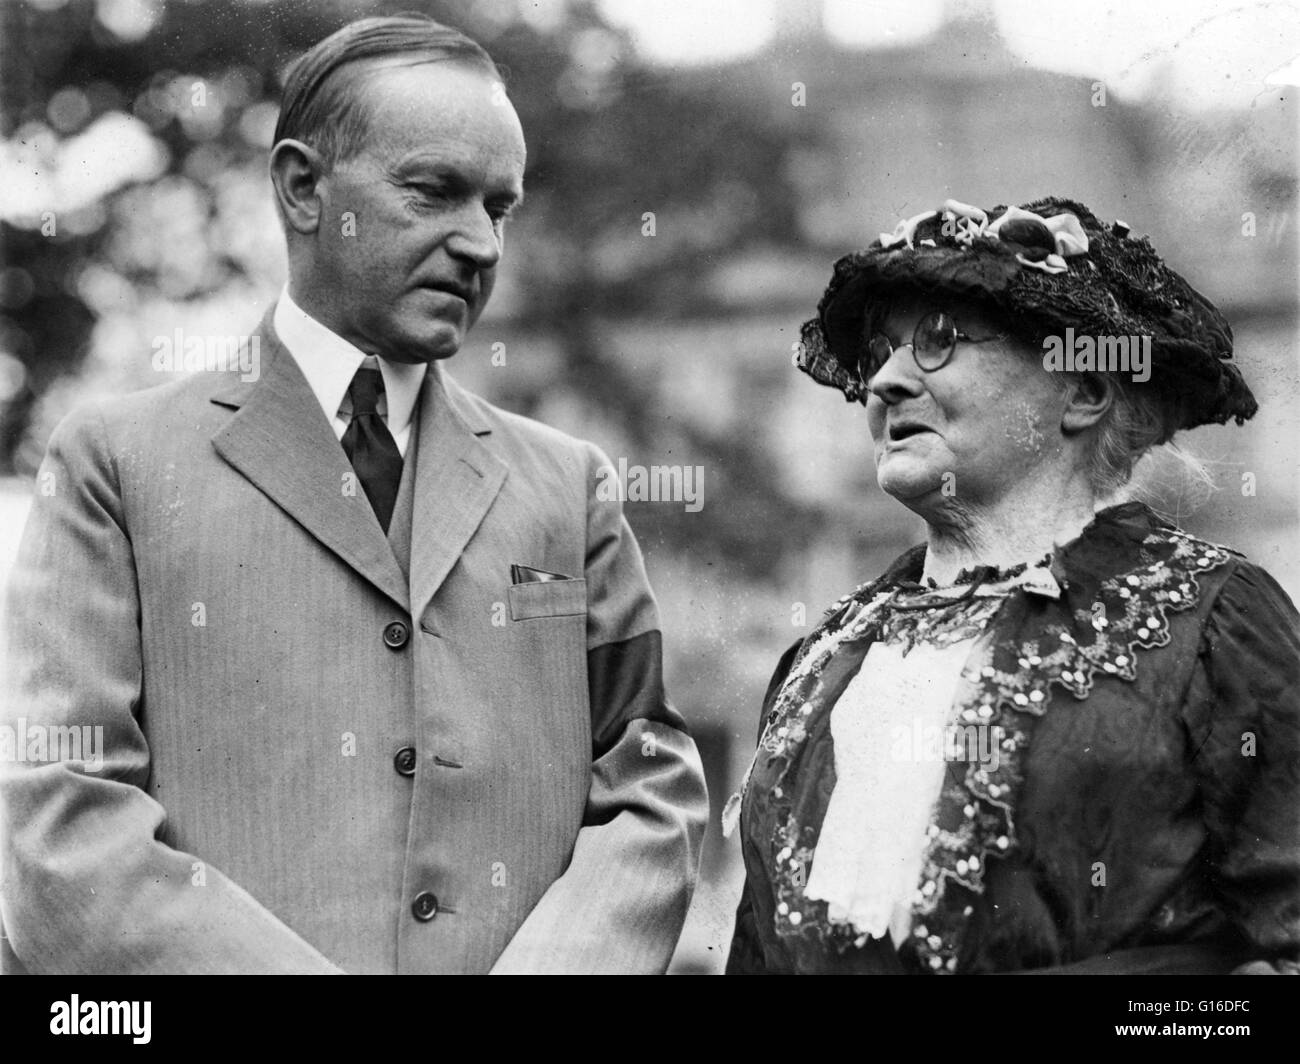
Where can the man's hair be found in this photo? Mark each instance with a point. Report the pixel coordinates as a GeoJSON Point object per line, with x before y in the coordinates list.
{"type": "Point", "coordinates": [323, 106]}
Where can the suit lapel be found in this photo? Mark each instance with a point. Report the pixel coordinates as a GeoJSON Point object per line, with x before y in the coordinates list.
{"type": "Point", "coordinates": [457, 479]}
{"type": "Point", "coordinates": [282, 442]}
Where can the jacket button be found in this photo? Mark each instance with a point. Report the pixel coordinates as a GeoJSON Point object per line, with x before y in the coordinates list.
{"type": "Point", "coordinates": [396, 634]}
{"type": "Point", "coordinates": [404, 761]}
{"type": "Point", "coordinates": [425, 906]}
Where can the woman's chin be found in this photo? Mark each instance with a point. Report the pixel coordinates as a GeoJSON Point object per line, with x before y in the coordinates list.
{"type": "Point", "coordinates": [907, 479]}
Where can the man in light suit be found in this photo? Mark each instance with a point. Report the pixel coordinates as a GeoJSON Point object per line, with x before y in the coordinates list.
{"type": "Point", "coordinates": [376, 674]}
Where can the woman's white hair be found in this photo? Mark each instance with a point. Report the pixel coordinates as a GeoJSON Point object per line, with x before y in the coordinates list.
{"type": "Point", "coordinates": [1139, 425]}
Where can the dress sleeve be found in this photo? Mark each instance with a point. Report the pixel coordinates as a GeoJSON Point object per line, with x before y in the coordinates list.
{"type": "Point", "coordinates": [747, 955]}
{"type": "Point", "coordinates": [1243, 714]}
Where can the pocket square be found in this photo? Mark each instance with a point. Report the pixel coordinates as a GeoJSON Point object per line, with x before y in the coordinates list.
{"type": "Point", "coordinates": [526, 574]}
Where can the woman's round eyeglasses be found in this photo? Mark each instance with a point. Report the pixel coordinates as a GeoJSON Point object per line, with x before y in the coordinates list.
{"type": "Point", "coordinates": [933, 342]}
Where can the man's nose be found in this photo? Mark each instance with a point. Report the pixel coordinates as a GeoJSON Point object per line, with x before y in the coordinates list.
{"type": "Point", "coordinates": [476, 238]}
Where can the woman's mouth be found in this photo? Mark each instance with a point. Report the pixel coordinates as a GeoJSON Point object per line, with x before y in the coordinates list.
{"type": "Point", "coordinates": [898, 433]}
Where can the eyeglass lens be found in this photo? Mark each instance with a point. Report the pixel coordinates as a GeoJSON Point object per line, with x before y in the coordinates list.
{"type": "Point", "coordinates": [932, 345]}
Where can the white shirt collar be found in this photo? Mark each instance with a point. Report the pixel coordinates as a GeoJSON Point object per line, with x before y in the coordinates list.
{"type": "Point", "coordinates": [329, 363]}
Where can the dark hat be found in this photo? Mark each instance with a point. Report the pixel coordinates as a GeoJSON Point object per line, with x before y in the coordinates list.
{"type": "Point", "coordinates": [1046, 267]}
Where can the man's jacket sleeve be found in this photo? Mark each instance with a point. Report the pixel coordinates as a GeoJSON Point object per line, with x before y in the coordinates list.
{"type": "Point", "coordinates": [621, 904]}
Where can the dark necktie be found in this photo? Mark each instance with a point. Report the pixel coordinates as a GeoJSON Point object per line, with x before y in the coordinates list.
{"type": "Point", "coordinates": [370, 446]}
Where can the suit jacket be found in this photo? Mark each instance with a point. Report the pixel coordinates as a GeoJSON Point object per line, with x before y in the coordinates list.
{"type": "Point", "coordinates": [314, 756]}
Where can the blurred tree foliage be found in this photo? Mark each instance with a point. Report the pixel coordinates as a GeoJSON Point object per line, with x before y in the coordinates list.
{"type": "Point", "coordinates": [609, 139]}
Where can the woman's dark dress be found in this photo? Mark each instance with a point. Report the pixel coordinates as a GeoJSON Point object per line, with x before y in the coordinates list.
{"type": "Point", "coordinates": [1145, 813]}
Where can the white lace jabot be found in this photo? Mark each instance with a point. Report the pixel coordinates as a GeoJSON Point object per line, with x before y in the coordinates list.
{"type": "Point", "coordinates": [890, 732]}
{"type": "Point", "coordinates": [888, 773]}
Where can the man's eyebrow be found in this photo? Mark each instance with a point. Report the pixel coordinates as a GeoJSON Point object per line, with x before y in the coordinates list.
{"type": "Point", "coordinates": [417, 166]}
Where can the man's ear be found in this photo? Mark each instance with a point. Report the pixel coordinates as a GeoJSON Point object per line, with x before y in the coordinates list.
{"type": "Point", "coordinates": [296, 170]}
{"type": "Point", "coordinates": [1087, 398]}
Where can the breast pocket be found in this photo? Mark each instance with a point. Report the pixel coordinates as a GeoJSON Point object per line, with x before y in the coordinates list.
{"type": "Point", "coordinates": [550, 598]}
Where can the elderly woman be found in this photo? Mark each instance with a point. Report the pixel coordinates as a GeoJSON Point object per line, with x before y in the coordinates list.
{"type": "Point", "coordinates": [1062, 734]}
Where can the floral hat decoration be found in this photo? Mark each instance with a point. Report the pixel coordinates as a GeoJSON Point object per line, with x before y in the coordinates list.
{"type": "Point", "coordinates": [1047, 266]}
